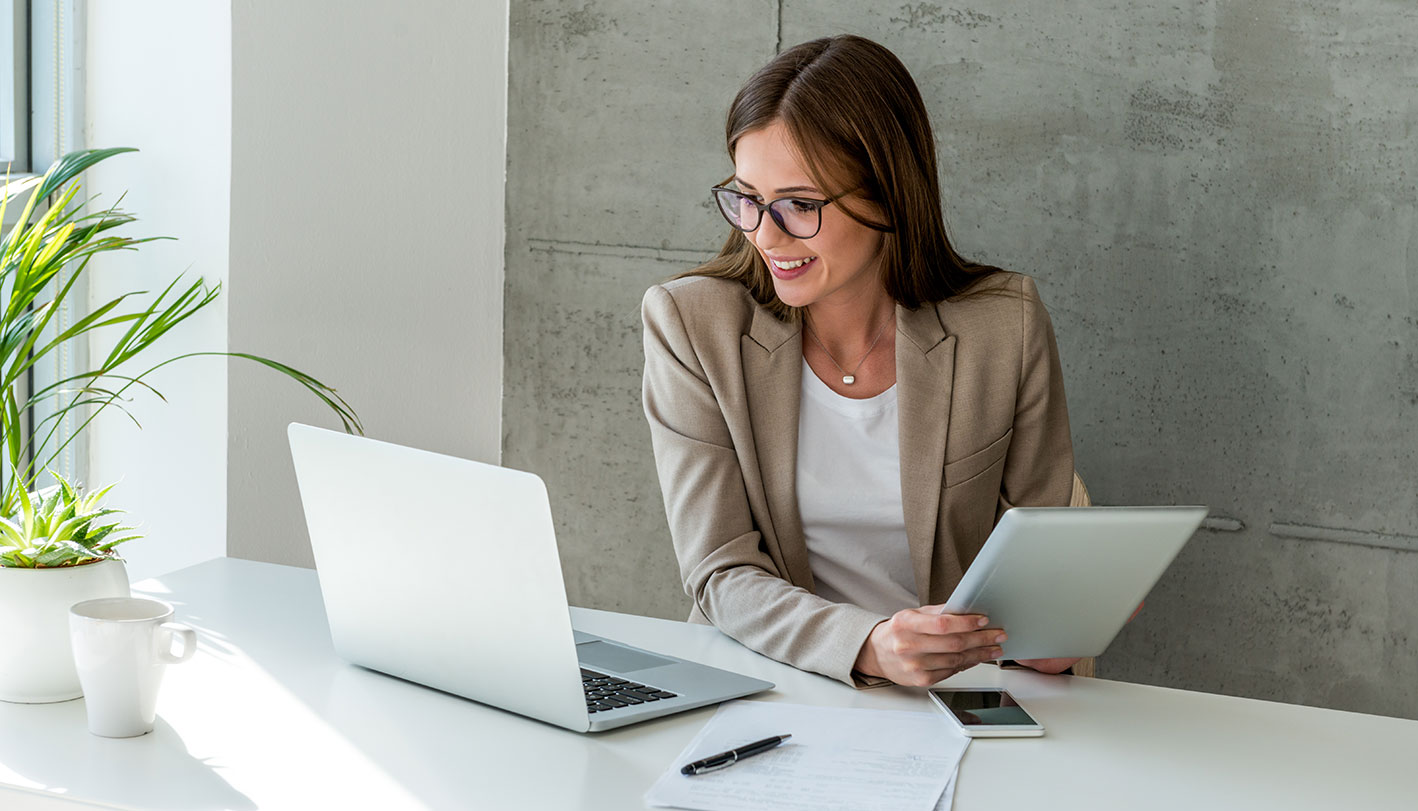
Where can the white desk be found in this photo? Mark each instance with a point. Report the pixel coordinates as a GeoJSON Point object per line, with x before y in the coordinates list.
{"type": "Point", "coordinates": [267, 717]}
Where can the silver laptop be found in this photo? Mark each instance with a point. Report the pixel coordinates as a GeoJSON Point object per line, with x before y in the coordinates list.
{"type": "Point", "coordinates": [445, 572]}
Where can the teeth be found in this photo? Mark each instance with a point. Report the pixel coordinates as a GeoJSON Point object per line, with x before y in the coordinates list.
{"type": "Point", "coordinates": [797, 263]}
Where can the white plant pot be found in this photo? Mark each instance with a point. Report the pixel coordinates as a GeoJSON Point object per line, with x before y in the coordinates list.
{"type": "Point", "coordinates": [36, 661]}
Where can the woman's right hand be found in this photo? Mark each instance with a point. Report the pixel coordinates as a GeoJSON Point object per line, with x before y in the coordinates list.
{"type": "Point", "coordinates": [921, 646]}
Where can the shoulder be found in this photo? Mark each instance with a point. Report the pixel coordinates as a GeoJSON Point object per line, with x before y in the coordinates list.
{"type": "Point", "coordinates": [1001, 299]}
{"type": "Point", "coordinates": [1000, 283]}
{"type": "Point", "coordinates": [702, 304]}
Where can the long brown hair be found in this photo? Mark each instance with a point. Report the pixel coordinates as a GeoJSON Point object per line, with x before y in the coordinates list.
{"type": "Point", "coordinates": [858, 121]}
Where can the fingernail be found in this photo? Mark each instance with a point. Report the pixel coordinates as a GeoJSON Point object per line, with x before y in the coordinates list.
{"type": "Point", "coordinates": [996, 653]}
{"type": "Point", "coordinates": [983, 621]}
{"type": "Point", "coordinates": [1001, 638]}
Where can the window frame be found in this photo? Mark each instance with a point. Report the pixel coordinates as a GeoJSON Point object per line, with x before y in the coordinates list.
{"type": "Point", "coordinates": [56, 48]}
{"type": "Point", "coordinates": [15, 91]}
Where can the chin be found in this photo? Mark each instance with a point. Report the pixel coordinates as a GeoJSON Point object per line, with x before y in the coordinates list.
{"type": "Point", "coordinates": [793, 295]}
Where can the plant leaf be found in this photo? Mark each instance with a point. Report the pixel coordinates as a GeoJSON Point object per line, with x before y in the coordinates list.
{"type": "Point", "coordinates": [63, 553]}
{"type": "Point", "coordinates": [11, 532]}
{"type": "Point", "coordinates": [110, 544]}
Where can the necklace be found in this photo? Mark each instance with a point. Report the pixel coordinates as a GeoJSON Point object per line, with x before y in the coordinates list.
{"type": "Point", "coordinates": [848, 378]}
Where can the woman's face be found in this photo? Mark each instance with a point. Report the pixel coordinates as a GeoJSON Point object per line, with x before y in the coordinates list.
{"type": "Point", "coordinates": [843, 259]}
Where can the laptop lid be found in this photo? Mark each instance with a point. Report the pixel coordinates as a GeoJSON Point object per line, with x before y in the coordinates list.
{"type": "Point", "coordinates": [442, 571]}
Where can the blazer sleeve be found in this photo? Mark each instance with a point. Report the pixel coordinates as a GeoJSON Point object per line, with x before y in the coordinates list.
{"type": "Point", "coordinates": [1038, 469]}
{"type": "Point", "coordinates": [723, 564]}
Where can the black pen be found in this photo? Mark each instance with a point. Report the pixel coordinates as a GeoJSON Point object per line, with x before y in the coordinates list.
{"type": "Point", "coordinates": [733, 756]}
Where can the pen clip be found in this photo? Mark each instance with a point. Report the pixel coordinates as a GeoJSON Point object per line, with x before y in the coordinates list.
{"type": "Point", "coordinates": [734, 758]}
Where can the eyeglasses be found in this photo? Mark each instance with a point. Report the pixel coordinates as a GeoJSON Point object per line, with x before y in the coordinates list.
{"type": "Point", "coordinates": [798, 217]}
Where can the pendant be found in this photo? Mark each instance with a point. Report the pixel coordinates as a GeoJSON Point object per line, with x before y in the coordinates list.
{"type": "Point", "coordinates": [849, 379]}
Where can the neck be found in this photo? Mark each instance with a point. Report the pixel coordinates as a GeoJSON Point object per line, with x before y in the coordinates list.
{"type": "Point", "coordinates": [848, 326]}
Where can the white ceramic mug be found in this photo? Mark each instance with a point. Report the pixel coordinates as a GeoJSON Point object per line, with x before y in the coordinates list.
{"type": "Point", "coordinates": [121, 645]}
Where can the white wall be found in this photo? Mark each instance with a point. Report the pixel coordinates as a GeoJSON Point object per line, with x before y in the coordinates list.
{"type": "Point", "coordinates": [368, 166]}
{"type": "Point", "coordinates": [159, 78]}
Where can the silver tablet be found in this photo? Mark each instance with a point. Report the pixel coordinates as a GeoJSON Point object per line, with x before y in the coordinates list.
{"type": "Point", "coordinates": [1062, 581]}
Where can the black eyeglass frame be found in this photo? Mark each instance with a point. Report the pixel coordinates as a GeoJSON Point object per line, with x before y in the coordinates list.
{"type": "Point", "coordinates": [768, 207]}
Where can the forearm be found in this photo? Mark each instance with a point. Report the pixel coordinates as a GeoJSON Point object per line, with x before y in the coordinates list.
{"type": "Point", "coordinates": [785, 622]}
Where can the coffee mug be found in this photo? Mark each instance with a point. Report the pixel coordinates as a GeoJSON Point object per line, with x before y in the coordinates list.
{"type": "Point", "coordinates": [121, 645]}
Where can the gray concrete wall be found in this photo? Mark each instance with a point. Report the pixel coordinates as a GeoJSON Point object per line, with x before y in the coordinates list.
{"type": "Point", "coordinates": [1218, 200]}
{"type": "Point", "coordinates": [368, 162]}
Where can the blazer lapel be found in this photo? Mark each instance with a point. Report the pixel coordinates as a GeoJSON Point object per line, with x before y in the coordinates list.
{"type": "Point", "coordinates": [925, 372]}
{"type": "Point", "coordinates": [772, 365]}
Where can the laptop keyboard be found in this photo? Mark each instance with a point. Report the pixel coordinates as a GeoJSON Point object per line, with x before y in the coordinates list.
{"type": "Point", "coordinates": [610, 693]}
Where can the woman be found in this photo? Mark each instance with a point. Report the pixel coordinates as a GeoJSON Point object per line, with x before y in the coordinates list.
{"type": "Point", "coordinates": [840, 405]}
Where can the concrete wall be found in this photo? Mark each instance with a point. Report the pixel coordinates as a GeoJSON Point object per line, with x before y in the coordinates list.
{"type": "Point", "coordinates": [368, 162]}
{"type": "Point", "coordinates": [170, 96]}
{"type": "Point", "coordinates": [1217, 198]}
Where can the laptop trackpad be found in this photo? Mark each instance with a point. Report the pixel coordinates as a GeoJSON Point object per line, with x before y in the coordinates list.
{"type": "Point", "coordinates": [614, 657]}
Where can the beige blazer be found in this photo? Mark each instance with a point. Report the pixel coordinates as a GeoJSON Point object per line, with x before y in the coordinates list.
{"type": "Point", "coordinates": [983, 422]}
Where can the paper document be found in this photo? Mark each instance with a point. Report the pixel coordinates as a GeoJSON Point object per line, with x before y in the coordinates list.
{"type": "Point", "coordinates": [838, 758]}
{"type": "Point", "coordinates": [947, 797]}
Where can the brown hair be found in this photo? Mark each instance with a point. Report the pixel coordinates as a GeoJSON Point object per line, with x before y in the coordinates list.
{"type": "Point", "coordinates": [858, 121]}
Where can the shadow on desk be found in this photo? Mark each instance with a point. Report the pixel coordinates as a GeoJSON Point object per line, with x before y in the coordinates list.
{"type": "Point", "coordinates": [171, 777]}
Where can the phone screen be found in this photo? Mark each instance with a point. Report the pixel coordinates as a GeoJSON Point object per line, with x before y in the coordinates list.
{"type": "Point", "coordinates": [984, 708]}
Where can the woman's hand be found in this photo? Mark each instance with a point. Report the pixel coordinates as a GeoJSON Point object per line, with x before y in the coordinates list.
{"type": "Point", "coordinates": [921, 646]}
{"type": "Point", "coordinates": [1050, 666]}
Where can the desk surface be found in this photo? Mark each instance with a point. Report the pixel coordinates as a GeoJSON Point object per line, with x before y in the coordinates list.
{"type": "Point", "coordinates": [266, 716]}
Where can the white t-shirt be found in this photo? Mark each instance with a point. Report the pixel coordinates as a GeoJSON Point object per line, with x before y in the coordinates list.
{"type": "Point", "coordinates": [849, 495]}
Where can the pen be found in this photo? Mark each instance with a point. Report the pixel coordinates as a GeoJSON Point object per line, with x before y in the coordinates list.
{"type": "Point", "coordinates": [733, 756]}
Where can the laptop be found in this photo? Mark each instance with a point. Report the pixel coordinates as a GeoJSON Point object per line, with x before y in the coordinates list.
{"type": "Point", "coordinates": [445, 572]}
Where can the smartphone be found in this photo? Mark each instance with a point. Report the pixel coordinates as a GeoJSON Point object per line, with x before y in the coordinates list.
{"type": "Point", "coordinates": [986, 712]}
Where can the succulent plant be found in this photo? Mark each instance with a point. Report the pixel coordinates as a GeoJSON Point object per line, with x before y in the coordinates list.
{"type": "Point", "coordinates": [60, 526]}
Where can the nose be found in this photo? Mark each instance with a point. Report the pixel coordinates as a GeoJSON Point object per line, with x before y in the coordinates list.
{"type": "Point", "coordinates": [768, 235]}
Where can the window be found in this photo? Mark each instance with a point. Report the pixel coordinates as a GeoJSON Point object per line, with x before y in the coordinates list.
{"type": "Point", "coordinates": [14, 85]}
{"type": "Point", "coordinates": [41, 107]}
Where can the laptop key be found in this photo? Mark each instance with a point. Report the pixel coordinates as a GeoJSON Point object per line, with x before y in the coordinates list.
{"type": "Point", "coordinates": [615, 702]}
{"type": "Point", "coordinates": [629, 699]}
{"type": "Point", "coordinates": [665, 694]}
{"type": "Point", "coordinates": [640, 695]}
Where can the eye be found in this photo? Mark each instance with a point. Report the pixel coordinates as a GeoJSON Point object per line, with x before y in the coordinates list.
{"type": "Point", "coordinates": [803, 206]}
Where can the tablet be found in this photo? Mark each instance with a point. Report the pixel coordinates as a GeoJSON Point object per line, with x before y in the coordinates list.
{"type": "Point", "coordinates": [1062, 581]}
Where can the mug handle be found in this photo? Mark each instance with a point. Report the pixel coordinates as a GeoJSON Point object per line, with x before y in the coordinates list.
{"type": "Point", "coordinates": [178, 631]}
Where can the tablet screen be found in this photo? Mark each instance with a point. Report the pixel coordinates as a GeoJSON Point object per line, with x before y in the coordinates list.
{"type": "Point", "coordinates": [984, 708]}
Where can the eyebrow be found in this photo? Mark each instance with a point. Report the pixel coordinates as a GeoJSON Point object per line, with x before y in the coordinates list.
{"type": "Point", "coordinates": [786, 190]}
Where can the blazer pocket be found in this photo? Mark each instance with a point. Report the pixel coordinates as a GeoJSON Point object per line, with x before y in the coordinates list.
{"type": "Point", "coordinates": [968, 467]}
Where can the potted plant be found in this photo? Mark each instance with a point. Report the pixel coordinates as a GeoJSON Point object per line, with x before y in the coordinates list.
{"type": "Point", "coordinates": [56, 544]}
{"type": "Point", "coordinates": [70, 538]}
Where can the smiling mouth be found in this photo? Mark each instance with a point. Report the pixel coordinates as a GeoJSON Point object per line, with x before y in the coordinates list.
{"type": "Point", "coordinates": [792, 265]}
{"type": "Point", "coordinates": [791, 269]}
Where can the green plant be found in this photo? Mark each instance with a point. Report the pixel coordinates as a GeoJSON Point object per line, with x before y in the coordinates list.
{"type": "Point", "coordinates": [32, 255]}
{"type": "Point", "coordinates": [59, 526]}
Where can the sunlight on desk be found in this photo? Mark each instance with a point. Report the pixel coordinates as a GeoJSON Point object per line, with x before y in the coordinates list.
{"type": "Point", "coordinates": [267, 716]}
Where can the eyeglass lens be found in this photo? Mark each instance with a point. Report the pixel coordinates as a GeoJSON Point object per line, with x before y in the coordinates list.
{"type": "Point", "coordinates": [799, 218]}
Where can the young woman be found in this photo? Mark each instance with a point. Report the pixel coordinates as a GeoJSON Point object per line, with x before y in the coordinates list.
{"type": "Point", "coordinates": [841, 406]}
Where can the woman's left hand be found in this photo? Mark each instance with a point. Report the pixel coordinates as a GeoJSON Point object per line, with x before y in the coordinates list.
{"type": "Point", "coordinates": [1050, 666]}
